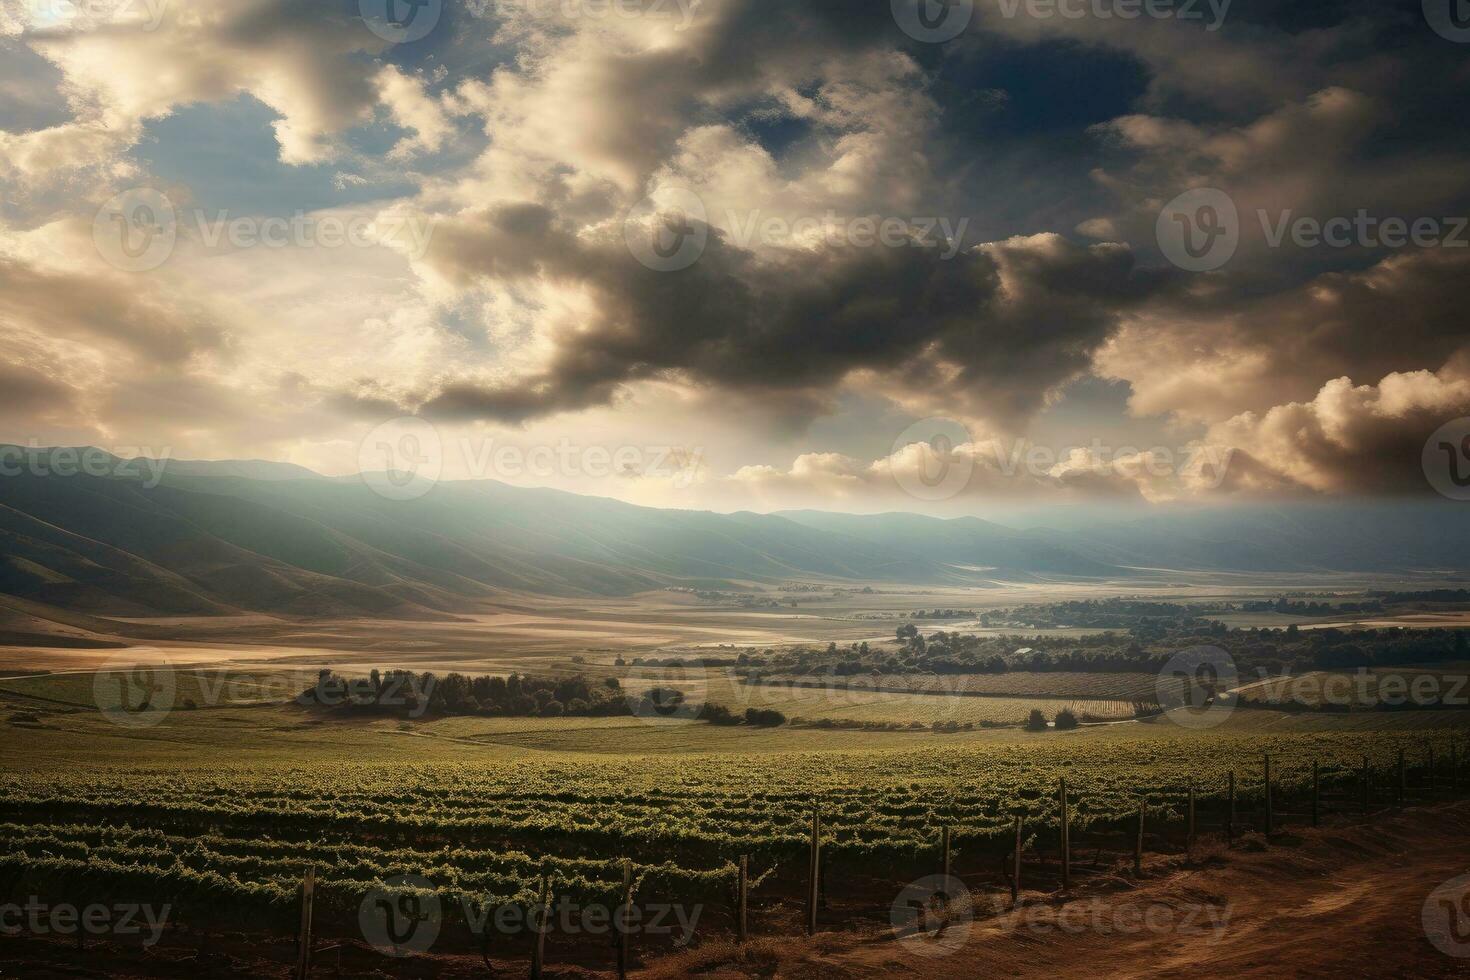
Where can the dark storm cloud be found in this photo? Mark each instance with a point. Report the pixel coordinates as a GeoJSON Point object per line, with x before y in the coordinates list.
{"type": "Point", "coordinates": [997, 326]}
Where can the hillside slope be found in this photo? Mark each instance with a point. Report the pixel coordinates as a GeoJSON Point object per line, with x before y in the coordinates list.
{"type": "Point", "coordinates": [203, 545]}
{"type": "Point", "coordinates": [231, 537]}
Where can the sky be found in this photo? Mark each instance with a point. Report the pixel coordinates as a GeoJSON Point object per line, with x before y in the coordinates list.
{"type": "Point", "coordinates": [862, 255]}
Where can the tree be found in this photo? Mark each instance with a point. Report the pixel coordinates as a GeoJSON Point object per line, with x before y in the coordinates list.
{"type": "Point", "coordinates": [1036, 722]}
{"type": "Point", "coordinates": [764, 717]}
{"type": "Point", "coordinates": [1066, 720]}
{"type": "Point", "coordinates": [718, 714]}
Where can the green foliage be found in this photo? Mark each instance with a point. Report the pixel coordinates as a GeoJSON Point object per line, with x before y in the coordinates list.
{"type": "Point", "coordinates": [243, 836]}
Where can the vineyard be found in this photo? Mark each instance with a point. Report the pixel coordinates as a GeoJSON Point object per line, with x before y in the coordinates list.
{"type": "Point", "coordinates": [485, 834]}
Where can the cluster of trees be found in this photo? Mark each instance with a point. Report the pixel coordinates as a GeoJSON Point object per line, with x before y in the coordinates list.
{"type": "Point", "coordinates": [1298, 607]}
{"type": "Point", "coordinates": [1434, 596]}
{"type": "Point", "coordinates": [402, 693]}
{"type": "Point", "coordinates": [1115, 613]}
{"type": "Point", "coordinates": [1253, 649]}
{"type": "Point", "coordinates": [1065, 720]}
{"type": "Point", "coordinates": [409, 694]}
{"type": "Point", "coordinates": [684, 663]}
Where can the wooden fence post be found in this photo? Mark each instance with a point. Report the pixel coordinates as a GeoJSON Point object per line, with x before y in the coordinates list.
{"type": "Point", "coordinates": [1454, 768]}
{"type": "Point", "coordinates": [303, 934]}
{"type": "Point", "coordinates": [1268, 794]}
{"type": "Point", "coordinates": [1230, 820]}
{"type": "Point", "coordinates": [1403, 778]}
{"type": "Point", "coordinates": [814, 876]}
{"type": "Point", "coordinates": [1367, 785]}
{"type": "Point", "coordinates": [1430, 748]}
{"type": "Point", "coordinates": [944, 846]}
{"type": "Point", "coordinates": [1316, 790]}
{"type": "Point", "coordinates": [1016, 869]}
{"type": "Point", "coordinates": [1066, 838]}
{"type": "Point", "coordinates": [1138, 843]}
{"type": "Point", "coordinates": [742, 894]}
{"type": "Point", "coordinates": [1189, 834]}
{"type": "Point", "coordinates": [538, 951]}
{"type": "Point", "coordinates": [625, 915]}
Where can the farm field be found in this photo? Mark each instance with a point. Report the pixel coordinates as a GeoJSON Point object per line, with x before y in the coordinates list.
{"type": "Point", "coordinates": [219, 801]}
{"type": "Point", "coordinates": [1020, 684]}
{"type": "Point", "coordinates": [542, 634]}
{"type": "Point", "coordinates": [224, 807]}
{"type": "Point", "coordinates": [1366, 687]}
{"type": "Point", "coordinates": [938, 701]}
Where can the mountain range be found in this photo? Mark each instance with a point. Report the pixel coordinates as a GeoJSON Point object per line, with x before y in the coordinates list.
{"type": "Point", "coordinates": [213, 538]}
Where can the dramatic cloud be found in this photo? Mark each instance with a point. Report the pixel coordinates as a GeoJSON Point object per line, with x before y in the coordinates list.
{"type": "Point", "coordinates": [994, 328]}
{"type": "Point", "coordinates": [1215, 354]}
{"type": "Point", "coordinates": [884, 230]}
{"type": "Point", "coordinates": [1354, 438]}
{"type": "Point", "coordinates": [137, 62]}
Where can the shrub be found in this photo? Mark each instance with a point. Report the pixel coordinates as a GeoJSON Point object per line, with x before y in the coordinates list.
{"type": "Point", "coordinates": [662, 701]}
{"type": "Point", "coordinates": [718, 714]}
{"type": "Point", "coordinates": [1066, 720]}
{"type": "Point", "coordinates": [764, 717]}
{"type": "Point", "coordinates": [1036, 722]}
